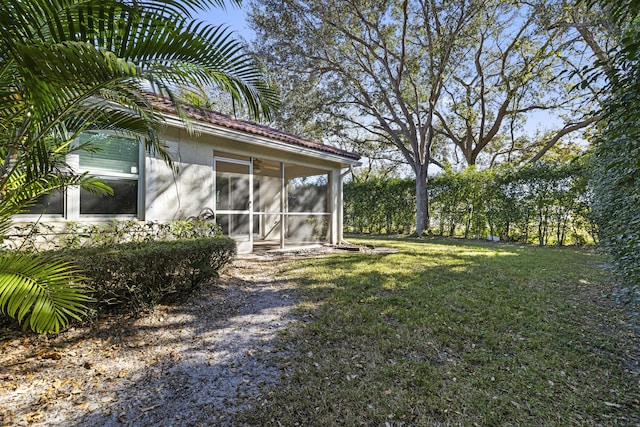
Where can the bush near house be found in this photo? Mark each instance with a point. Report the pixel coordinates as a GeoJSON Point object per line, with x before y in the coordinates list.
{"type": "Point", "coordinates": [127, 265]}
{"type": "Point", "coordinates": [137, 275]}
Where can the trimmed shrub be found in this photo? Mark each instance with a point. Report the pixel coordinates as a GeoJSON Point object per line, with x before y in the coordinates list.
{"type": "Point", "coordinates": [548, 203]}
{"type": "Point", "coordinates": [380, 205]}
{"type": "Point", "coordinates": [137, 275]}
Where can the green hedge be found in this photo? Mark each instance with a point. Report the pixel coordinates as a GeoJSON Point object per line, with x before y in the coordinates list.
{"type": "Point", "coordinates": [380, 206]}
{"type": "Point", "coordinates": [135, 276]}
{"type": "Point", "coordinates": [545, 203]}
{"type": "Point", "coordinates": [616, 161]}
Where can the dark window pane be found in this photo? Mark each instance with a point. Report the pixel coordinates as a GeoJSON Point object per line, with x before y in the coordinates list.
{"type": "Point", "coordinates": [49, 204]}
{"type": "Point", "coordinates": [123, 202]}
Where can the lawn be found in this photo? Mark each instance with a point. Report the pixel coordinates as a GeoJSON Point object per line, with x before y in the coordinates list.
{"type": "Point", "coordinates": [448, 332]}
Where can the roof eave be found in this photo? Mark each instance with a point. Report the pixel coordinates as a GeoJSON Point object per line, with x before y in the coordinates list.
{"type": "Point", "coordinates": [254, 139]}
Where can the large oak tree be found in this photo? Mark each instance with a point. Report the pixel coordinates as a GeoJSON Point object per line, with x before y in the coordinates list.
{"type": "Point", "coordinates": [434, 79]}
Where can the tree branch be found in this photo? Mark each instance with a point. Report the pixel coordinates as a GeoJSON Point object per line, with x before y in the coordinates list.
{"type": "Point", "coordinates": [562, 132]}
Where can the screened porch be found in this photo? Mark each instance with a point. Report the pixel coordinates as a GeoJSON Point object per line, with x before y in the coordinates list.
{"type": "Point", "coordinates": [266, 204]}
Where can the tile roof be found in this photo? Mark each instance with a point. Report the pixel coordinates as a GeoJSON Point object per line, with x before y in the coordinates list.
{"type": "Point", "coordinates": [246, 126]}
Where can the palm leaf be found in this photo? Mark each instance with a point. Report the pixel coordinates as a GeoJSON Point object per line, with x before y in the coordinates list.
{"type": "Point", "coordinates": [67, 66]}
{"type": "Point", "coordinates": [116, 39]}
{"type": "Point", "coordinates": [40, 293]}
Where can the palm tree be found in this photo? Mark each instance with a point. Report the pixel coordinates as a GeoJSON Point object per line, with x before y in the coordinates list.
{"type": "Point", "coordinates": [71, 65]}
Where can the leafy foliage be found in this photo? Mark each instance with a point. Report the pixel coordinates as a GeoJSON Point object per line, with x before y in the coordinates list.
{"type": "Point", "coordinates": [135, 276]}
{"type": "Point", "coordinates": [182, 258]}
{"type": "Point", "coordinates": [379, 205]}
{"type": "Point", "coordinates": [616, 161]}
{"type": "Point", "coordinates": [36, 291]}
{"type": "Point", "coordinates": [544, 202]}
{"type": "Point", "coordinates": [434, 82]}
{"type": "Point", "coordinates": [67, 66]}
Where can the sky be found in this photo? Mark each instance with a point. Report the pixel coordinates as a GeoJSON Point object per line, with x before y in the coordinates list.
{"type": "Point", "coordinates": [232, 16]}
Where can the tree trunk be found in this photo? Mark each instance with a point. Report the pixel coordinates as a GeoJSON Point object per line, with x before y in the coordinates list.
{"type": "Point", "coordinates": [422, 203]}
{"type": "Point", "coordinates": [467, 225]}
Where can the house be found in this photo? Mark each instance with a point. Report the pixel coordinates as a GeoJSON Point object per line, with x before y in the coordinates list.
{"type": "Point", "coordinates": [263, 186]}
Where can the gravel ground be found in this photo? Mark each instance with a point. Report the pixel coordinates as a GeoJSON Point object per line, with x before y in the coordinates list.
{"type": "Point", "coordinates": [197, 363]}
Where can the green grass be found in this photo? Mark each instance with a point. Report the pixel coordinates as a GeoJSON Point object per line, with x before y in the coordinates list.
{"type": "Point", "coordinates": [454, 333]}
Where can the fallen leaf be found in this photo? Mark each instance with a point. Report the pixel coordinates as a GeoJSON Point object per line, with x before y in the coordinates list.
{"type": "Point", "coordinates": [52, 356]}
{"type": "Point", "coordinates": [82, 405]}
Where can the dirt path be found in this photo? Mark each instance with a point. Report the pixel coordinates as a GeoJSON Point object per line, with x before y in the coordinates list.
{"type": "Point", "coordinates": [198, 363]}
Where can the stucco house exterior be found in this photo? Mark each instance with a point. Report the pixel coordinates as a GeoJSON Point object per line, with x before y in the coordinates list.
{"type": "Point", "coordinates": [264, 187]}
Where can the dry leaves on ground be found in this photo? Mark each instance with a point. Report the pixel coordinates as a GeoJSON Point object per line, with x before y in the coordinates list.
{"type": "Point", "coordinates": [197, 363]}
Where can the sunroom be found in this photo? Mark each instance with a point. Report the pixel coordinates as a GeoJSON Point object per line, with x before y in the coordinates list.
{"type": "Point", "coordinates": [267, 189]}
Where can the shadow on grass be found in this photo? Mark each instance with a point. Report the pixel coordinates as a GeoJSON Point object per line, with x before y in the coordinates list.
{"type": "Point", "coordinates": [435, 334]}
{"type": "Point", "coordinates": [450, 333]}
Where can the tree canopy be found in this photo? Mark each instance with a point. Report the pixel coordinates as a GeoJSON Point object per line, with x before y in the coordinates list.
{"type": "Point", "coordinates": [440, 82]}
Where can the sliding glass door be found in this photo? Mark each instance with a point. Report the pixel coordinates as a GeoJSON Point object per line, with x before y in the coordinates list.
{"type": "Point", "coordinates": [234, 200]}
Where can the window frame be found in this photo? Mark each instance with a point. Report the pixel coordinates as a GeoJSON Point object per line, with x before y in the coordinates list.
{"type": "Point", "coordinates": [71, 194]}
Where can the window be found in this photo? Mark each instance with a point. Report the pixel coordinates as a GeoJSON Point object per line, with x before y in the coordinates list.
{"type": "Point", "coordinates": [115, 155]}
{"type": "Point", "coordinates": [49, 204]}
{"type": "Point", "coordinates": [113, 159]}
{"type": "Point", "coordinates": [123, 202]}
{"type": "Point", "coordinates": [117, 164]}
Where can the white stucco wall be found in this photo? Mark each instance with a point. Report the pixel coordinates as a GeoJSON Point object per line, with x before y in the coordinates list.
{"type": "Point", "coordinates": [184, 191]}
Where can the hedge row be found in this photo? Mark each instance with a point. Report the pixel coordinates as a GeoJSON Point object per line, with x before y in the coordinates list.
{"type": "Point", "coordinates": [545, 203]}
{"type": "Point", "coordinates": [380, 206]}
{"type": "Point", "coordinates": [137, 275]}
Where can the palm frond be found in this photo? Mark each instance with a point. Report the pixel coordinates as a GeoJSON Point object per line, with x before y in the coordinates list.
{"type": "Point", "coordinates": [116, 40]}
{"type": "Point", "coordinates": [40, 293]}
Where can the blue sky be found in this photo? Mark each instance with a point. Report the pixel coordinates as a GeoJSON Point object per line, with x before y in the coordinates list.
{"type": "Point", "coordinates": [232, 16]}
